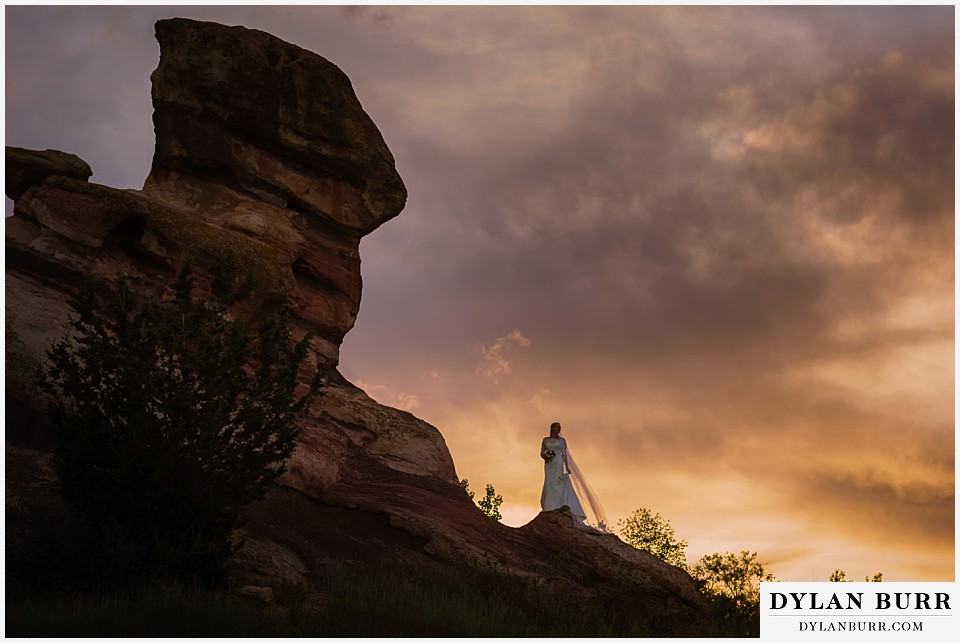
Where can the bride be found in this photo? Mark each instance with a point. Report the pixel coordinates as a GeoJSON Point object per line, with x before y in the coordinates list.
{"type": "Point", "coordinates": [563, 481]}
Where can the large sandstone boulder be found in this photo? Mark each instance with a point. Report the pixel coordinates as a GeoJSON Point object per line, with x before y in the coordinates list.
{"type": "Point", "coordinates": [30, 167]}
{"type": "Point", "coordinates": [264, 150]}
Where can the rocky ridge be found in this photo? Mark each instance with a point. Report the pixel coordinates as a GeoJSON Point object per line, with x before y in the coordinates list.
{"type": "Point", "coordinates": [263, 149]}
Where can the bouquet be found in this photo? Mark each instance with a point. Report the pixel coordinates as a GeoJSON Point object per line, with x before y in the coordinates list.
{"type": "Point", "coordinates": [549, 454]}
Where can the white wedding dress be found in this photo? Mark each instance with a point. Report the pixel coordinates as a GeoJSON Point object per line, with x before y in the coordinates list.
{"type": "Point", "coordinates": [562, 480]}
{"type": "Point", "coordinates": [557, 487]}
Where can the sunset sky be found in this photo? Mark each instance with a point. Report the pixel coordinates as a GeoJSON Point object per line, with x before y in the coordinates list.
{"type": "Point", "coordinates": [716, 244]}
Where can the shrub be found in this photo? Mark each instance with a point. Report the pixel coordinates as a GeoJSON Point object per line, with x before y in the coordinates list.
{"type": "Point", "coordinates": [731, 584]}
{"type": "Point", "coordinates": [490, 503]}
{"type": "Point", "coordinates": [652, 533]}
{"type": "Point", "coordinates": [172, 415]}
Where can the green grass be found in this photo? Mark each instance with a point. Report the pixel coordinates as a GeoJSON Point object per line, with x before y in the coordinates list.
{"type": "Point", "coordinates": [384, 602]}
{"type": "Point", "coordinates": [168, 610]}
{"type": "Point", "coordinates": [380, 601]}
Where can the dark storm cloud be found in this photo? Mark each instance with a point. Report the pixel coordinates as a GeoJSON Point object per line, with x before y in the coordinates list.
{"type": "Point", "coordinates": [878, 144]}
{"type": "Point", "coordinates": [645, 250]}
{"type": "Point", "coordinates": [628, 211]}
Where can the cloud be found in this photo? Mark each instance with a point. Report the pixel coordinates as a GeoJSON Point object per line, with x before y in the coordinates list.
{"type": "Point", "coordinates": [360, 12]}
{"type": "Point", "coordinates": [877, 144]}
{"type": "Point", "coordinates": [540, 398]}
{"type": "Point", "coordinates": [494, 361]}
{"type": "Point", "coordinates": [388, 397]}
{"type": "Point", "coordinates": [716, 246]}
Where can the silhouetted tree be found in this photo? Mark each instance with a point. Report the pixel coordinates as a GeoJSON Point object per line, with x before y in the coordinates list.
{"type": "Point", "coordinates": [173, 415]}
{"type": "Point", "coordinates": [489, 504]}
{"type": "Point", "coordinates": [652, 533]}
{"type": "Point", "coordinates": [840, 576]}
{"type": "Point", "coordinates": [731, 582]}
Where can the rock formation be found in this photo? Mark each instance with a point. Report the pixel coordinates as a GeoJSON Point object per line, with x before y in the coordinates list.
{"type": "Point", "coordinates": [263, 149]}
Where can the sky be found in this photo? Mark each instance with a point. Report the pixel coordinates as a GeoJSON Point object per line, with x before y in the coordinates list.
{"type": "Point", "coordinates": [715, 243]}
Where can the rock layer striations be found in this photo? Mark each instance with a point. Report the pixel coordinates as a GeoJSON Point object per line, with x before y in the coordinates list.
{"type": "Point", "coordinates": [263, 150]}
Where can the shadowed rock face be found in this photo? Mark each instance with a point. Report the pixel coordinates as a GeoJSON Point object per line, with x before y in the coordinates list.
{"type": "Point", "coordinates": [264, 150]}
{"type": "Point", "coordinates": [245, 110]}
{"type": "Point", "coordinates": [257, 136]}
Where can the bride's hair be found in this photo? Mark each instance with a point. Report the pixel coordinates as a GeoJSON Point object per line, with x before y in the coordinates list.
{"type": "Point", "coordinates": [555, 424]}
